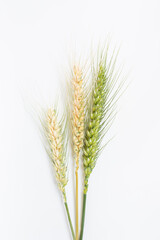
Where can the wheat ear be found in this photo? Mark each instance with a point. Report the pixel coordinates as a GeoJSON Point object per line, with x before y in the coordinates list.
{"type": "Point", "coordinates": [77, 125]}
{"type": "Point", "coordinates": [54, 134]}
{"type": "Point", "coordinates": [56, 142]}
{"type": "Point", "coordinates": [101, 114]}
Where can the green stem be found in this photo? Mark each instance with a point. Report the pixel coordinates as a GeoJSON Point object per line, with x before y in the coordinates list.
{"type": "Point", "coordinates": [69, 219]}
{"type": "Point", "coordinates": [83, 216]}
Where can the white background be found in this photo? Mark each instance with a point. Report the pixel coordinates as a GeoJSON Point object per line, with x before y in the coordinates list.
{"type": "Point", "coordinates": [37, 38]}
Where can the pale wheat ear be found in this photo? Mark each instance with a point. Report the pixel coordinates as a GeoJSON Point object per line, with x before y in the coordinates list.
{"type": "Point", "coordinates": [54, 134]}
{"type": "Point", "coordinates": [56, 147]}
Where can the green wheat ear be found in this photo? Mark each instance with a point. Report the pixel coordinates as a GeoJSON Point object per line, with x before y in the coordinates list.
{"type": "Point", "coordinates": [101, 113]}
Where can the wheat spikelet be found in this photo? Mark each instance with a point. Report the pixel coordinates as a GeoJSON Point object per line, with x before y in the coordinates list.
{"type": "Point", "coordinates": [101, 113]}
{"type": "Point", "coordinates": [78, 111]}
{"type": "Point", "coordinates": [56, 143]}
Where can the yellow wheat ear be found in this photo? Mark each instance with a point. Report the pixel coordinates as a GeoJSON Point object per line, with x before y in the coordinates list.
{"type": "Point", "coordinates": [78, 111]}
{"type": "Point", "coordinates": [77, 124]}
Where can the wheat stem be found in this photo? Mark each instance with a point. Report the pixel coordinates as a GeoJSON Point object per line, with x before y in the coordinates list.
{"type": "Point", "coordinates": [83, 216]}
{"type": "Point", "coordinates": [69, 219]}
{"type": "Point", "coordinates": [77, 216]}
{"type": "Point", "coordinates": [77, 223]}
